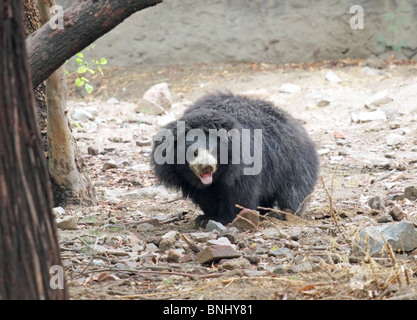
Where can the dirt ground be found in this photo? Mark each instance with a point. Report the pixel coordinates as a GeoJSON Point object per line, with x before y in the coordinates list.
{"type": "Point", "coordinates": [114, 254]}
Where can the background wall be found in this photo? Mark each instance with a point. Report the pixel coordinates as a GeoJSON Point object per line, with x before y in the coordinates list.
{"type": "Point", "coordinates": [271, 31]}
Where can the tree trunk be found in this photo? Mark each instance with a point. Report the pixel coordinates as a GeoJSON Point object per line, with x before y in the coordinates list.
{"type": "Point", "coordinates": [71, 184]}
{"type": "Point", "coordinates": [29, 248]}
{"type": "Point", "coordinates": [32, 23]}
{"type": "Point", "coordinates": [84, 22]}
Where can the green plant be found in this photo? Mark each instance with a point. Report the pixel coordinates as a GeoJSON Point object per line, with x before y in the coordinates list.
{"type": "Point", "coordinates": [84, 68]}
{"type": "Point", "coordinates": [394, 24]}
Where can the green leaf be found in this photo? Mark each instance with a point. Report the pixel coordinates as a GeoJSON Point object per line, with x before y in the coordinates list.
{"type": "Point", "coordinates": [79, 82]}
{"type": "Point", "coordinates": [91, 71]}
{"type": "Point", "coordinates": [80, 54]}
{"type": "Point", "coordinates": [79, 60]}
{"type": "Point", "coordinates": [103, 61]}
{"type": "Point", "coordinates": [77, 124]}
{"type": "Point", "coordinates": [84, 79]}
{"type": "Point", "coordinates": [82, 69]}
{"type": "Point", "coordinates": [88, 88]}
{"type": "Point", "coordinates": [66, 72]}
{"type": "Point", "coordinates": [100, 70]}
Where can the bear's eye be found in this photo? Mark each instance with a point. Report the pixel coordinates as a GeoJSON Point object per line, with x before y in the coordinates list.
{"type": "Point", "coordinates": [195, 153]}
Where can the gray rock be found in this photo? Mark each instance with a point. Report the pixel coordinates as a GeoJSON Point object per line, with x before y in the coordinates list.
{"type": "Point", "coordinates": [410, 193]}
{"type": "Point", "coordinates": [159, 95]}
{"type": "Point", "coordinates": [279, 270]}
{"type": "Point", "coordinates": [389, 155]}
{"type": "Point", "coordinates": [253, 258]}
{"type": "Point", "coordinates": [394, 139]}
{"type": "Point", "coordinates": [67, 223]}
{"type": "Point", "coordinates": [322, 152]}
{"type": "Point", "coordinates": [394, 125]}
{"type": "Point", "coordinates": [145, 106]}
{"type": "Point", "coordinates": [377, 99]}
{"type": "Point", "coordinates": [58, 211]}
{"type": "Point", "coordinates": [93, 151]}
{"type": "Point", "coordinates": [92, 110]}
{"type": "Point", "coordinates": [174, 255]}
{"type": "Point", "coordinates": [305, 266]}
{"type": "Point", "coordinates": [109, 165]}
{"type": "Point", "coordinates": [376, 203]}
{"type": "Point", "coordinates": [143, 142]}
{"type": "Point", "coordinates": [230, 233]}
{"type": "Point", "coordinates": [80, 114]}
{"type": "Point", "coordinates": [145, 193]}
{"type": "Point", "coordinates": [401, 236]}
{"type": "Point", "coordinates": [151, 247]}
{"type": "Point", "coordinates": [396, 213]}
{"type": "Point", "coordinates": [200, 236]}
{"type": "Point", "coordinates": [145, 227]}
{"type": "Point", "coordinates": [98, 263]}
{"type": "Point", "coordinates": [368, 116]}
{"type": "Point", "coordinates": [390, 113]}
{"type": "Point", "coordinates": [239, 263]}
{"type": "Point", "coordinates": [173, 235]}
{"type": "Point", "coordinates": [214, 225]}
{"type": "Point", "coordinates": [221, 240]}
{"type": "Point", "coordinates": [323, 103]}
{"type": "Point", "coordinates": [271, 233]}
{"type": "Point", "coordinates": [281, 252]}
{"type": "Point", "coordinates": [385, 218]}
{"type": "Point", "coordinates": [141, 167]}
{"type": "Point", "coordinates": [166, 244]}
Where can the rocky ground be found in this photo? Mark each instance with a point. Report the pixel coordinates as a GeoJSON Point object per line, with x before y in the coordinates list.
{"type": "Point", "coordinates": [357, 239]}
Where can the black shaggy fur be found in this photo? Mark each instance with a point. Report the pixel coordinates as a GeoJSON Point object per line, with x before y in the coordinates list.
{"type": "Point", "coordinates": [290, 164]}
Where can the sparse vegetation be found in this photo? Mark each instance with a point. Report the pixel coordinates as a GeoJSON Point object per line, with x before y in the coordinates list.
{"type": "Point", "coordinates": [84, 68]}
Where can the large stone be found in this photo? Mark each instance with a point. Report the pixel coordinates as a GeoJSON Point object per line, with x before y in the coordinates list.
{"type": "Point", "coordinates": [378, 98]}
{"type": "Point", "coordinates": [246, 220]}
{"type": "Point", "coordinates": [215, 225]}
{"type": "Point", "coordinates": [81, 114]}
{"type": "Point", "coordinates": [159, 95]}
{"type": "Point", "coordinates": [401, 236]}
{"type": "Point", "coordinates": [410, 193]}
{"type": "Point", "coordinates": [217, 252]}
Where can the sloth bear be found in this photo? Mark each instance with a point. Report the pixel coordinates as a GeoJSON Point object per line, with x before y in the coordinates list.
{"type": "Point", "coordinates": [228, 149]}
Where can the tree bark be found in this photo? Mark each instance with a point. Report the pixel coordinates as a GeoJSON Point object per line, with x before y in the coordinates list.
{"type": "Point", "coordinates": [28, 240]}
{"type": "Point", "coordinates": [84, 22]}
{"type": "Point", "coordinates": [70, 182]}
{"type": "Point", "coordinates": [32, 23]}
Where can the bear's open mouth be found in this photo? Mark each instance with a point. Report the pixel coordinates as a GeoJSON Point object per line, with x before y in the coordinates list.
{"type": "Point", "coordinates": [206, 178]}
